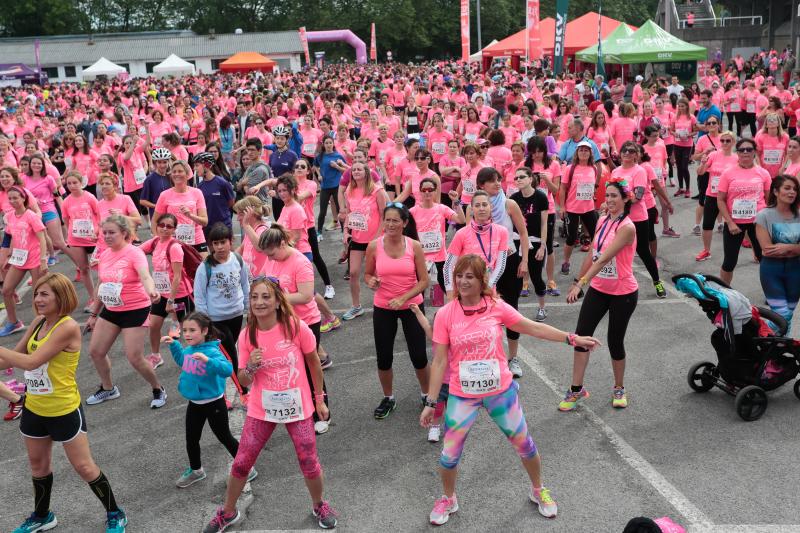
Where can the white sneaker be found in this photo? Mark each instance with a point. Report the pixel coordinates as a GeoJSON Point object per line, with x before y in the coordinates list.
{"type": "Point", "coordinates": [321, 427]}
{"type": "Point", "coordinates": [434, 433]}
{"type": "Point", "coordinates": [159, 399]}
{"type": "Point", "coordinates": [442, 510]}
{"type": "Point", "coordinates": [155, 360]}
{"type": "Point", "coordinates": [515, 368]}
{"type": "Point", "coordinates": [696, 229]}
{"type": "Point", "coordinates": [547, 505]}
{"type": "Point", "coordinates": [330, 292]}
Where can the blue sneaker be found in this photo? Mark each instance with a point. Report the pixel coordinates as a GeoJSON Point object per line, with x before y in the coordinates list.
{"type": "Point", "coordinates": [116, 522]}
{"type": "Point", "coordinates": [35, 523]}
{"type": "Point", "coordinates": [52, 261]}
{"type": "Point", "coordinates": [353, 312]}
{"type": "Point", "coordinates": [10, 329]}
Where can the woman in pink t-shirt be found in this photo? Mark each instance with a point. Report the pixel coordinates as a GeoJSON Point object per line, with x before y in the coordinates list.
{"type": "Point", "coordinates": [468, 184]}
{"type": "Point", "coordinates": [293, 215]}
{"type": "Point", "coordinates": [251, 212]}
{"type": "Point", "coordinates": [771, 144]}
{"type": "Point", "coordinates": [438, 137]}
{"type": "Point", "coordinates": [467, 335]}
{"type": "Point", "coordinates": [451, 167]}
{"type": "Point", "coordinates": [47, 192]}
{"type": "Point", "coordinates": [683, 128]}
{"type": "Point", "coordinates": [613, 290]}
{"type": "Point", "coordinates": [599, 133]}
{"type": "Point", "coordinates": [122, 306]}
{"type": "Point", "coordinates": [791, 165]}
{"type": "Point", "coordinates": [81, 216]}
{"type": "Point", "coordinates": [133, 166]}
{"type": "Point", "coordinates": [576, 195]}
{"type": "Point", "coordinates": [28, 253]}
{"type": "Point", "coordinates": [741, 194]}
{"type": "Point", "coordinates": [84, 160]}
{"type": "Point", "coordinates": [715, 164]}
{"type": "Point", "coordinates": [395, 269]}
{"type": "Point", "coordinates": [188, 204]}
{"type": "Point", "coordinates": [275, 346]}
{"type": "Point", "coordinates": [111, 202]}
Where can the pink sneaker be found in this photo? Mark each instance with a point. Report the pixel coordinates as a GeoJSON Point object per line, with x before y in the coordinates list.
{"type": "Point", "coordinates": [442, 510]}
{"type": "Point", "coordinates": [155, 360]}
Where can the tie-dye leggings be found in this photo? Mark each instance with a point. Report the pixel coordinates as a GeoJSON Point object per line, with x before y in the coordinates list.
{"type": "Point", "coordinates": [503, 408]}
{"type": "Point", "coordinates": [255, 435]}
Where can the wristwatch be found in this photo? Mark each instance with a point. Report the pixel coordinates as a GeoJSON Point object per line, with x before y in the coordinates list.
{"type": "Point", "coordinates": [429, 403]}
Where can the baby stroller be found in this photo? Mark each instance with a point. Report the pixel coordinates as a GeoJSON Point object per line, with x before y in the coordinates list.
{"type": "Point", "coordinates": [753, 353]}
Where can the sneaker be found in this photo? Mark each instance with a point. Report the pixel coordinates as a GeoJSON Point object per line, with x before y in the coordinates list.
{"type": "Point", "coordinates": [14, 409]}
{"type": "Point", "coordinates": [221, 522]}
{"type": "Point", "coordinates": [319, 237]}
{"type": "Point", "coordinates": [332, 225]}
{"type": "Point", "coordinates": [346, 275]}
{"type": "Point", "coordinates": [325, 515]}
{"type": "Point", "coordinates": [89, 306]}
{"type": "Point", "coordinates": [434, 433]}
{"type": "Point", "coordinates": [330, 292]}
{"type": "Point", "coordinates": [679, 192]}
{"type": "Point", "coordinates": [52, 261]}
{"type": "Point", "coordinates": [102, 395]}
{"type": "Point", "coordinates": [321, 426]}
{"type": "Point", "coordinates": [524, 293]}
{"type": "Point", "coordinates": [696, 230]}
{"type": "Point", "coordinates": [442, 510]}
{"type": "Point", "coordinates": [746, 243]}
{"type": "Point", "coordinates": [326, 363]}
{"type": "Point", "coordinates": [190, 477]}
{"type": "Point", "coordinates": [687, 194]}
{"type": "Point", "coordinates": [155, 360]}
{"type": "Point", "coordinates": [702, 256]}
{"type": "Point", "coordinates": [330, 325]}
{"type": "Point", "coordinates": [541, 314]}
{"type": "Point", "coordinates": [159, 398]}
{"type": "Point", "coordinates": [619, 399]}
{"type": "Point", "coordinates": [661, 292]}
{"type": "Point", "coordinates": [513, 366]}
{"type": "Point", "coordinates": [252, 474]}
{"type": "Point", "coordinates": [35, 523]}
{"type": "Point", "coordinates": [386, 406]}
{"type": "Point", "coordinates": [669, 232]}
{"type": "Point", "coordinates": [552, 289]}
{"type": "Point", "coordinates": [10, 329]}
{"type": "Point", "coordinates": [116, 521]}
{"type": "Point", "coordinates": [353, 312]}
{"type": "Point", "coordinates": [546, 503]}
{"type": "Point", "coordinates": [571, 399]}
{"type": "Point", "coordinates": [565, 268]}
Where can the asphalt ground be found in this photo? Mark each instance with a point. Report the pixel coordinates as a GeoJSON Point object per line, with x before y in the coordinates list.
{"type": "Point", "coordinates": [672, 453]}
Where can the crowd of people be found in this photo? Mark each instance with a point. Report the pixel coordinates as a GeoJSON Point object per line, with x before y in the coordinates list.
{"type": "Point", "coordinates": [441, 181]}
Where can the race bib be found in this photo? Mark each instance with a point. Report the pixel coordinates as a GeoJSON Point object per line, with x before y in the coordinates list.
{"type": "Point", "coordinates": [682, 134]}
{"type": "Point", "coordinates": [161, 279]}
{"type": "Point", "coordinates": [743, 208]}
{"type": "Point", "coordinates": [82, 229]}
{"type": "Point", "coordinates": [751, 108]}
{"type": "Point", "coordinates": [472, 137]}
{"type": "Point", "coordinates": [431, 241]}
{"type": "Point", "coordinates": [469, 186]}
{"type": "Point", "coordinates": [438, 147]}
{"type": "Point", "coordinates": [185, 233]}
{"type": "Point", "coordinates": [584, 191]}
{"type": "Point", "coordinates": [714, 184]}
{"type": "Point", "coordinates": [479, 377]}
{"type": "Point", "coordinates": [110, 294]}
{"type": "Point", "coordinates": [19, 256]}
{"type": "Point", "coordinates": [659, 171]}
{"type": "Point", "coordinates": [309, 148]}
{"type": "Point", "coordinates": [412, 121]}
{"type": "Point", "coordinates": [357, 221]}
{"type": "Point", "coordinates": [772, 157]}
{"type": "Point", "coordinates": [139, 175]}
{"type": "Point", "coordinates": [609, 270]}
{"type": "Point", "coordinates": [735, 107]}
{"type": "Point", "coordinates": [283, 406]}
{"type": "Point", "coordinates": [38, 381]}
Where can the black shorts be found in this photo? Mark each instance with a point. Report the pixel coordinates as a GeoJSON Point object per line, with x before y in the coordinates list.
{"type": "Point", "coordinates": [202, 247]}
{"type": "Point", "coordinates": [160, 308]}
{"type": "Point", "coordinates": [88, 249]}
{"type": "Point", "coordinates": [387, 188]}
{"type": "Point", "coordinates": [134, 318]}
{"type": "Point", "coordinates": [358, 246]}
{"type": "Point", "coordinates": [62, 428]}
{"type": "Point", "coordinates": [6, 240]}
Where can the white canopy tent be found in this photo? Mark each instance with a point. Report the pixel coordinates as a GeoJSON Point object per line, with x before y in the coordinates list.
{"type": "Point", "coordinates": [102, 67]}
{"type": "Point", "coordinates": [173, 66]}
{"type": "Point", "coordinates": [478, 56]}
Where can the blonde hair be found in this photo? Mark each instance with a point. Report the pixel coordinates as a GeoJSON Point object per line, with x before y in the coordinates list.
{"type": "Point", "coordinates": [109, 176]}
{"type": "Point", "coordinates": [777, 119]}
{"type": "Point", "coordinates": [122, 223]}
{"type": "Point", "coordinates": [254, 202]}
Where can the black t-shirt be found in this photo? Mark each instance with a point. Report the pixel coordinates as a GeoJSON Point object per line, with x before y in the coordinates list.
{"type": "Point", "coordinates": [532, 208]}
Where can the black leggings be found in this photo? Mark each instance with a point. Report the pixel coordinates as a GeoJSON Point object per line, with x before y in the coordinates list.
{"type": "Point", "coordinates": [643, 248]}
{"type": "Point", "coordinates": [702, 185]}
{"type": "Point", "coordinates": [710, 213]}
{"type": "Point", "coordinates": [682, 155]}
{"type": "Point", "coordinates": [384, 327]}
{"type": "Point", "coordinates": [535, 268]}
{"type": "Point", "coordinates": [217, 415]}
{"type": "Point", "coordinates": [324, 197]}
{"type": "Point", "coordinates": [509, 286]}
{"type": "Point", "coordinates": [670, 153]}
{"type": "Point", "coordinates": [229, 334]}
{"type": "Point", "coordinates": [589, 220]}
{"type": "Point", "coordinates": [317, 333]}
{"type": "Point", "coordinates": [745, 119]}
{"type": "Point", "coordinates": [731, 244]}
{"type": "Point", "coordinates": [619, 308]}
{"type": "Point", "coordinates": [440, 275]}
{"type": "Point", "coordinates": [322, 268]}
{"type": "Point", "coordinates": [733, 121]}
{"type": "Point", "coordinates": [652, 217]}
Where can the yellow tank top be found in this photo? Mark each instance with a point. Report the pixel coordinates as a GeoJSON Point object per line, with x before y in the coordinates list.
{"type": "Point", "coordinates": [52, 390]}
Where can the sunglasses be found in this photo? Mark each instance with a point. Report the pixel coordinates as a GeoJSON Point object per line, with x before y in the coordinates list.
{"type": "Point", "coordinates": [520, 176]}
{"type": "Point", "coordinates": [712, 123]}
{"type": "Point", "coordinates": [396, 205]}
{"type": "Point", "coordinates": [470, 312]}
{"type": "Point", "coordinates": [726, 141]}
{"type": "Point", "coordinates": [421, 158]}
{"type": "Point", "coordinates": [165, 226]}
{"type": "Point", "coordinates": [427, 189]}
{"type": "Point", "coordinates": [629, 151]}
{"type": "Point", "coordinates": [301, 167]}
{"type": "Point", "coordinates": [746, 150]}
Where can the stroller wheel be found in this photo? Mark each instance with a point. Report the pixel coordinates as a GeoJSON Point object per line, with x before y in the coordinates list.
{"type": "Point", "coordinates": [797, 389]}
{"type": "Point", "coordinates": [751, 403]}
{"type": "Point", "coordinates": [700, 376]}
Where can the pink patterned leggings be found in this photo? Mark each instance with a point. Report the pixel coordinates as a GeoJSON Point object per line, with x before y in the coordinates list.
{"type": "Point", "coordinates": [255, 435]}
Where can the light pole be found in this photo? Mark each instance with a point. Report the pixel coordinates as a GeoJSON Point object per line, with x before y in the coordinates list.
{"type": "Point", "coordinates": [478, 19]}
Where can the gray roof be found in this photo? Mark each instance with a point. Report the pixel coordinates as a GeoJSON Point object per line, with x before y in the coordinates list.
{"type": "Point", "coordinates": [146, 46]}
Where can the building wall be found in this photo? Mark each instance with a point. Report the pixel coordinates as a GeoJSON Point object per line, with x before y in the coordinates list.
{"type": "Point", "coordinates": [726, 39]}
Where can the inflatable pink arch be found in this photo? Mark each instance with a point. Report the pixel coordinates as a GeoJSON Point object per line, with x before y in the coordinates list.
{"type": "Point", "coordinates": [341, 35]}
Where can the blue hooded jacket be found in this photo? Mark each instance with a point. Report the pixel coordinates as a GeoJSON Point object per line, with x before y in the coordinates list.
{"type": "Point", "coordinates": [201, 381]}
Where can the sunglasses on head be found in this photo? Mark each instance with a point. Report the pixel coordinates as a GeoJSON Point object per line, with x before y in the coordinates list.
{"type": "Point", "coordinates": [163, 225]}
{"type": "Point", "coordinates": [396, 205]}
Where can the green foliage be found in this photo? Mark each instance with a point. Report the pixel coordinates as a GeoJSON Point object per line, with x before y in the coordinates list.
{"type": "Point", "coordinates": [409, 28]}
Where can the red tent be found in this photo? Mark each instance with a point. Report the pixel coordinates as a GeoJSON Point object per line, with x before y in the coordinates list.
{"type": "Point", "coordinates": [248, 61]}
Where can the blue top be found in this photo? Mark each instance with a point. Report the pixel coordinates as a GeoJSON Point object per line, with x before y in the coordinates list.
{"type": "Point", "coordinates": [281, 162]}
{"type": "Point", "coordinates": [330, 175]}
{"type": "Point", "coordinates": [201, 381]}
{"type": "Point", "coordinates": [226, 139]}
{"type": "Point", "coordinates": [218, 193]}
{"type": "Point", "coordinates": [153, 186]}
{"type": "Point", "coordinates": [704, 113]}
{"type": "Point", "coordinates": [569, 146]}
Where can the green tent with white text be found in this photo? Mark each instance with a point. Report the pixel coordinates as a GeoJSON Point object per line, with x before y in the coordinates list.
{"type": "Point", "coordinates": [613, 44]}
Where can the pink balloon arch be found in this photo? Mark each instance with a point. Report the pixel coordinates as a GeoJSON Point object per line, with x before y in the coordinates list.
{"type": "Point", "coordinates": [341, 35]}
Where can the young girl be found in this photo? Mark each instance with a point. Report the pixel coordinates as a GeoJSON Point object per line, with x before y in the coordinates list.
{"type": "Point", "coordinates": [204, 370]}
{"type": "Point", "coordinates": [82, 218]}
{"type": "Point", "coordinates": [28, 253]}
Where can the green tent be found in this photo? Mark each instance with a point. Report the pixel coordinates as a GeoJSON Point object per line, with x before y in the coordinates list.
{"type": "Point", "coordinates": [617, 41]}
{"type": "Point", "coordinates": [648, 44]}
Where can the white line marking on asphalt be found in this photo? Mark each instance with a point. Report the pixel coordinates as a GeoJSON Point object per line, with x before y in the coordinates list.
{"type": "Point", "coordinates": [749, 528]}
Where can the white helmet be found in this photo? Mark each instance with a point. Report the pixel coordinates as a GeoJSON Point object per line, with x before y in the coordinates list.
{"type": "Point", "coordinates": [161, 154]}
{"type": "Point", "coordinates": [281, 131]}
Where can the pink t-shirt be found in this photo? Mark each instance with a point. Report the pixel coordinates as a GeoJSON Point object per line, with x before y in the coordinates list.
{"type": "Point", "coordinates": [616, 277]}
{"type": "Point", "coordinates": [649, 199]}
{"type": "Point", "coordinates": [363, 220]}
{"type": "Point", "coordinates": [432, 229]}
{"type": "Point", "coordinates": [622, 129]}
{"type": "Point", "coordinates": [437, 141]}
{"type": "Point", "coordinates": [469, 181]}
{"type": "Point", "coordinates": [162, 268]}
{"type": "Point", "coordinates": [252, 256]}
{"type": "Point", "coordinates": [658, 158]}
{"type": "Point", "coordinates": [683, 130]}
{"type": "Point", "coordinates": [397, 276]}
{"type": "Point", "coordinates": [579, 197]}
{"type": "Point", "coordinates": [280, 391]}
{"type": "Point", "coordinates": [746, 189]}
{"type": "Point", "coordinates": [82, 219]}
{"type": "Point", "coordinates": [636, 177]}
{"type": "Point", "coordinates": [26, 252]}
{"type": "Point", "coordinates": [771, 151]}
{"type": "Point", "coordinates": [133, 170]}
{"type": "Point", "coordinates": [492, 241]}
{"type": "Point", "coordinates": [309, 186]}
{"type": "Point", "coordinates": [120, 287]}
{"type": "Point", "coordinates": [293, 270]}
{"type": "Point", "coordinates": [171, 201]}
{"type": "Point", "coordinates": [477, 362]}
{"type": "Point", "coordinates": [555, 172]}
{"type": "Point", "coordinates": [716, 164]}
{"type": "Point", "coordinates": [500, 156]}
{"type": "Point", "coordinates": [43, 189]}
{"type": "Point", "coordinates": [293, 217]}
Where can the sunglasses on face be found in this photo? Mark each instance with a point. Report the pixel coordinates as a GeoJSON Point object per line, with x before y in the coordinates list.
{"type": "Point", "coordinates": [628, 151]}
{"type": "Point", "coordinates": [712, 123]}
{"type": "Point", "coordinates": [427, 189]}
{"type": "Point", "coordinates": [421, 158]}
{"type": "Point", "coordinates": [746, 150]}
{"type": "Point", "coordinates": [301, 167]}
{"type": "Point", "coordinates": [165, 226]}
{"type": "Point", "coordinates": [725, 141]}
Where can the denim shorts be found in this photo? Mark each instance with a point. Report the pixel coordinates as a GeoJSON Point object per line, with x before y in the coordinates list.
{"type": "Point", "coordinates": [48, 216]}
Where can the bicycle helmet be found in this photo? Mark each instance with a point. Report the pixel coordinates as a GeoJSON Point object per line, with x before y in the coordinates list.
{"type": "Point", "coordinates": [161, 154]}
{"type": "Point", "coordinates": [281, 131]}
{"type": "Point", "coordinates": [206, 158]}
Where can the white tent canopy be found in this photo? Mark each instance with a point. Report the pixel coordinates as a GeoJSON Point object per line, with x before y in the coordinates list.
{"type": "Point", "coordinates": [478, 56]}
{"type": "Point", "coordinates": [173, 65]}
{"type": "Point", "coordinates": [102, 67]}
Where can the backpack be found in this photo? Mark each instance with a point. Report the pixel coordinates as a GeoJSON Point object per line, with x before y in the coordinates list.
{"type": "Point", "coordinates": [208, 266]}
{"type": "Point", "coordinates": [191, 257]}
